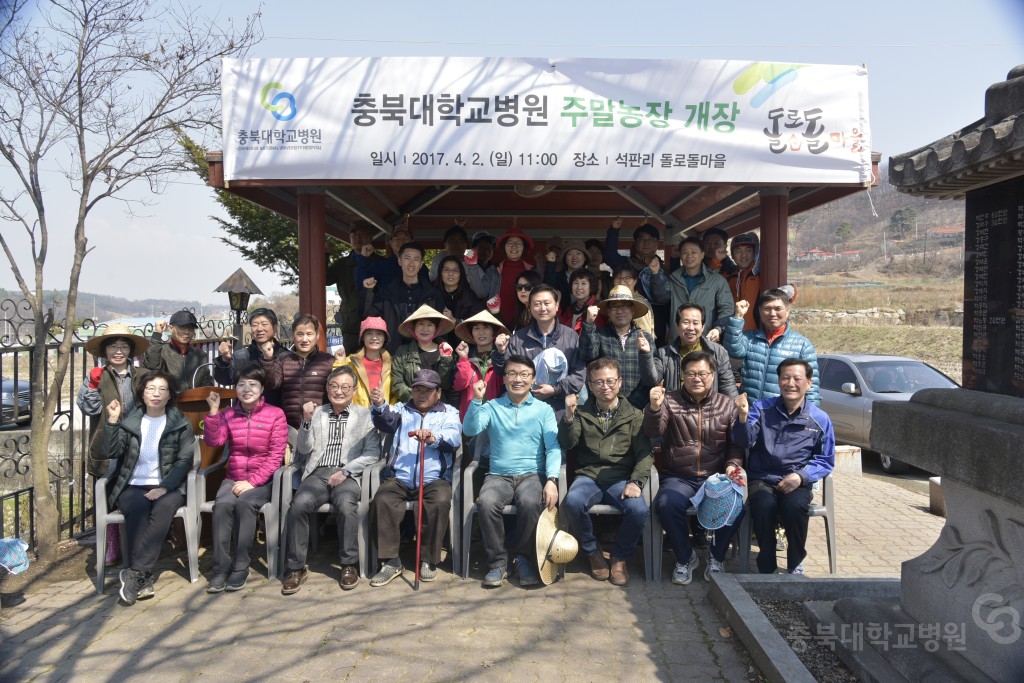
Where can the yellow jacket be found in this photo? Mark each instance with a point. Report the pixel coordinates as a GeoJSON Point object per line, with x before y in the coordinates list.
{"type": "Point", "coordinates": [355, 361]}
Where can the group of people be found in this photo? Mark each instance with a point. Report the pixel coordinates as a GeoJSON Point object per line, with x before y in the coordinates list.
{"type": "Point", "coordinates": [525, 371]}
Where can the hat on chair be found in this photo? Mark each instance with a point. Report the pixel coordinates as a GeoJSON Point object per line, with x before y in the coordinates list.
{"type": "Point", "coordinates": [554, 546]}
{"type": "Point", "coordinates": [719, 502]}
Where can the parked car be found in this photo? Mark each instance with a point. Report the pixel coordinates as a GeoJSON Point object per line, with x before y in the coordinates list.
{"type": "Point", "coordinates": [852, 382]}
{"type": "Point", "coordinates": [15, 408]}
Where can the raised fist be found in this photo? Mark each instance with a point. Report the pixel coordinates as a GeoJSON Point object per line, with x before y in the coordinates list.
{"type": "Point", "coordinates": [741, 308]}
{"type": "Point", "coordinates": [655, 265]}
{"type": "Point", "coordinates": [571, 401]}
{"type": "Point", "coordinates": [113, 411]}
{"type": "Point", "coordinates": [617, 223]}
{"type": "Point", "coordinates": [339, 356]}
{"type": "Point", "coordinates": [494, 303]}
{"type": "Point", "coordinates": [370, 283]}
{"type": "Point", "coordinates": [479, 389]}
{"type": "Point", "coordinates": [657, 396]}
{"type": "Point", "coordinates": [445, 349]}
{"type": "Point", "coordinates": [225, 350]}
{"type": "Point", "coordinates": [592, 312]}
{"type": "Point", "coordinates": [501, 342]}
{"type": "Point", "coordinates": [744, 406]}
{"type": "Point", "coordinates": [213, 400]}
{"type": "Point", "coordinates": [462, 349]}
{"type": "Point", "coordinates": [160, 327]}
{"type": "Point", "coordinates": [470, 257]}
{"type": "Point", "coordinates": [551, 256]}
{"type": "Point", "coordinates": [308, 408]}
{"type": "Point", "coordinates": [643, 344]}
{"type": "Point", "coordinates": [447, 312]}
{"type": "Point", "coordinates": [95, 375]}
{"type": "Point", "coordinates": [366, 249]}
{"type": "Point", "coordinates": [377, 396]}
{"type": "Point", "coordinates": [267, 349]}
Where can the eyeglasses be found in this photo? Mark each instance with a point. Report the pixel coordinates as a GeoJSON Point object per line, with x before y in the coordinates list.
{"type": "Point", "coordinates": [248, 385]}
{"type": "Point", "coordinates": [450, 271]}
{"type": "Point", "coordinates": [696, 375]}
{"type": "Point", "coordinates": [123, 348]}
{"type": "Point", "coordinates": [524, 288]}
{"type": "Point", "coordinates": [340, 387]}
{"type": "Point", "coordinates": [526, 374]}
{"type": "Point", "coordinates": [156, 390]}
{"type": "Point", "coordinates": [602, 383]}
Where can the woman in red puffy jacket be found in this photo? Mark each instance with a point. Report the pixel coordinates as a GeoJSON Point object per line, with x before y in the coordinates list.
{"type": "Point", "coordinates": [258, 433]}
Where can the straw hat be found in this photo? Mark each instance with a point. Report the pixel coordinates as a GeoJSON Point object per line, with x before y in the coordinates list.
{"type": "Point", "coordinates": [138, 342]}
{"type": "Point", "coordinates": [464, 329]}
{"type": "Point", "coordinates": [425, 312]}
{"type": "Point", "coordinates": [554, 546]}
{"type": "Point", "coordinates": [622, 293]}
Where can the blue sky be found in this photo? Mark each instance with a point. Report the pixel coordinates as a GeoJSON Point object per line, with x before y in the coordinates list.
{"type": "Point", "coordinates": [929, 64]}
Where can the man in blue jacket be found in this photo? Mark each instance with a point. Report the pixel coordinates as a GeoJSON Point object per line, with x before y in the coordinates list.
{"type": "Point", "coordinates": [423, 419]}
{"type": "Point", "coordinates": [792, 445]}
{"type": "Point", "coordinates": [525, 460]}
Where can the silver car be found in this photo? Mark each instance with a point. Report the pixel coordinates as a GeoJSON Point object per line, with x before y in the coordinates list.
{"type": "Point", "coordinates": [852, 382]}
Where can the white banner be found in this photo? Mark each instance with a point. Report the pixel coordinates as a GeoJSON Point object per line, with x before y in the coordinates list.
{"type": "Point", "coordinates": [462, 119]}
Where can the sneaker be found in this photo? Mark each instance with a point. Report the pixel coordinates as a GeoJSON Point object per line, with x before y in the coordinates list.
{"type": "Point", "coordinates": [237, 579]}
{"type": "Point", "coordinates": [131, 583]}
{"type": "Point", "coordinates": [797, 570]}
{"type": "Point", "coordinates": [386, 575]}
{"type": "Point", "coordinates": [494, 577]}
{"type": "Point", "coordinates": [527, 576]}
{"type": "Point", "coordinates": [147, 590]}
{"type": "Point", "coordinates": [713, 567]}
{"type": "Point", "coordinates": [428, 572]}
{"type": "Point", "coordinates": [217, 584]}
{"type": "Point", "coordinates": [683, 573]}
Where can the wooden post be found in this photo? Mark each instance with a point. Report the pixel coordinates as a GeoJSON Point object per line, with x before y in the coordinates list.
{"type": "Point", "coordinates": [312, 263]}
{"type": "Point", "coordinates": [774, 237]}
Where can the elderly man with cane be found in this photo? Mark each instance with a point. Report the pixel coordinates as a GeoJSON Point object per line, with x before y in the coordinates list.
{"type": "Point", "coordinates": [424, 422]}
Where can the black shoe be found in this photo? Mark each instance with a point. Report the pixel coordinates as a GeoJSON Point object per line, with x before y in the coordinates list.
{"type": "Point", "coordinates": [147, 590]}
{"type": "Point", "coordinates": [131, 583]}
{"type": "Point", "coordinates": [217, 584]}
{"type": "Point", "coordinates": [236, 580]}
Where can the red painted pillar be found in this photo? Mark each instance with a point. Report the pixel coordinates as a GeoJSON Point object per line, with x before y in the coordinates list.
{"type": "Point", "coordinates": [312, 246]}
{"type": "Point", "coordinates": [774, 237]}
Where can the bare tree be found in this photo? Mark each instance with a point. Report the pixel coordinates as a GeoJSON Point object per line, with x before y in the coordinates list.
{"type": "Point", "coordinates": [100, 89]}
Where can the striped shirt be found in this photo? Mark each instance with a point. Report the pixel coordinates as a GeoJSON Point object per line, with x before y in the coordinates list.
{"type": "Point", "coordinates": [334, 454]}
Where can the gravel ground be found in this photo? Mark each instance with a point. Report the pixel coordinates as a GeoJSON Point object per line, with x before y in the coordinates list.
{"type": "Point", "coordinates": [787, 617]}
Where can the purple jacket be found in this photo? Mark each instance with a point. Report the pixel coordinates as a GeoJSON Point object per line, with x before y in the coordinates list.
{"type": "Point", "coordinates": [258, 440]}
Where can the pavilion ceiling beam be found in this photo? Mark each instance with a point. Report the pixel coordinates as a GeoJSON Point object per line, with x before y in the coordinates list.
{"type": "Point", "coordinates": [643, 203]}
{"type": "Point", "coordinates": [383, 199]}
{"type": "Point", "coordinates": [718, 208]}
{"type": "Point", "coordinates": [508, 213]}
{"type": "Point", "coordinates": [359, 209]}
{"type": "Point", "coordinates": [421, 201]}
{"type": "Point", "coordinates": [335, 227]}
{"type": "Point", "coordinates": [683, 198]}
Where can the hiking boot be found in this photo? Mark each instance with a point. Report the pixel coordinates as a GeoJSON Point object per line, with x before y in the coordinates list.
{"type": "Point", "coordinates": [683, 573]}
{"type": "Point", "coordinates": [495, 576]}
{"type": "Point", "coordinates": [619, 575]}
{"type": "Point", "coordinates": [293, 581]}
{"type": "Point", "coordinates": [349, 577]}
{"type": "Point", "coordinates": [147, 590]}
{"type": "Point", "coordinates": [237, 579]}
{"type": "Point", "coordinates": [217, 583]}
{"type": "Point", "coordinates": [599, 570]}
{"type": "Point", "coordinates": [428, 572]}
{"type": "Point", "coordinates": [527, 576]}
{"type": "Point", "coordinates": [131, 583]}
{"type": "Point", "coordinates": [714, 567]}
{"type": "Point", "coordinates": [386, 575]}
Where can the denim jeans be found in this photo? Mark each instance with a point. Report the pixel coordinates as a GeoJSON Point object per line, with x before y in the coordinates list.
{"type": "Point", "coordinates": [586, 492]}
{"type": "Point", "coordinates": [671, 505]}
{"type": "Point", "coordinates": [526, 492]}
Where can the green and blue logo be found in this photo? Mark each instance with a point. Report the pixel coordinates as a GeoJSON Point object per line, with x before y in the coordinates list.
{"type": "Point", "coordinates": [282, 106]}
{"type": "Point", "coordinates": [774, 77]}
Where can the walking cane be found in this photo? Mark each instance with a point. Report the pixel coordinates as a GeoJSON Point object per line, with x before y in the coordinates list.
{"type": "Point", "coordinates": [419, 513]}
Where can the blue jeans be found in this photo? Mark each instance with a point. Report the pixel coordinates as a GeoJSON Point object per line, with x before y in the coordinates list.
{"type": "Point", "coordinates": [672, 503]}
{"type": "Point", "coordinates": [584, 493]}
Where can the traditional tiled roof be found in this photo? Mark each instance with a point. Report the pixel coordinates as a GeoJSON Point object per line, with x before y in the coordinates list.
{"type": "Point", "coordinates": [988, 150]}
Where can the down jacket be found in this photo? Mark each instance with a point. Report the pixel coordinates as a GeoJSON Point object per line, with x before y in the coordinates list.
{"type": "Point", "coordinates": [177, 450]}
{"type": "Point", "coordinates": [761, 359]}
{"type": "Point", "coordinates": [697, 437]}
{"type": "Point", "coordinates": [299, 379]}
{"type": "Point", "coordinates": [258, 439]}
{"type": "Point", "coordinates": [668, 364]}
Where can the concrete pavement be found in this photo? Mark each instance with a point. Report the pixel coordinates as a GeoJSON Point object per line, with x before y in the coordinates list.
{"type": "Point", "coordinates": [574, 630]}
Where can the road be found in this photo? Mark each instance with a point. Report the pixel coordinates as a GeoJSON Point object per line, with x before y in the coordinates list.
{"type": "Point", "coordinates": [915, 480]}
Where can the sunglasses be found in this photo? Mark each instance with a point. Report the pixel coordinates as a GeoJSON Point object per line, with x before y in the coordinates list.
{"type": "Point", "coordinates": [524, 288]}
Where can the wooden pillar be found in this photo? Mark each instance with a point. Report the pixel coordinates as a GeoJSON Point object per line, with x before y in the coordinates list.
{"type": "Point", "coordinates": [774, 237]}
{"type": "Point", "coordinates": [312, 247]}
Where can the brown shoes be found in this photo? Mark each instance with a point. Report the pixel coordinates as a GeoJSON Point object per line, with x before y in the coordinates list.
{"type": "Point", "coordinates": [619, 576]}
{"type": "Point", "coordinates": [293, 580]}
{"type": "Point", "coordinates": [349, 577]}
{"type": "Point", "coordinates": [598, 566]}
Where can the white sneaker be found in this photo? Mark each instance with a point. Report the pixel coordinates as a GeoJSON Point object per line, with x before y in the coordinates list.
{"type": "Point", "coordinates": [683, 573]}
{"type": "Point", "coordinates": [713, 567]}
{"type": "Point", "coordinates": [797, 570]}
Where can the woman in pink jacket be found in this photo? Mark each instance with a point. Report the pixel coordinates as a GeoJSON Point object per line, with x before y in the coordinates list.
{"type": "Point", "coordinates": [258, 433]}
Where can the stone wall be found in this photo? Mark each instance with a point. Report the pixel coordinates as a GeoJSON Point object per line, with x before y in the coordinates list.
{"type": "Point", "coordinates": [880, 316]}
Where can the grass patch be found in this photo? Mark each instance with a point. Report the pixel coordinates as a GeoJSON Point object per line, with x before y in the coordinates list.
{"type": "Point", "coordinates": [941, 347]}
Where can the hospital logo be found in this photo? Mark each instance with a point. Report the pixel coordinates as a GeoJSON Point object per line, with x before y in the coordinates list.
{"type": "Point", "coordinates": [282, 105]}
